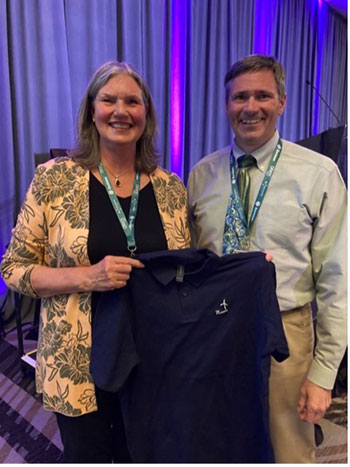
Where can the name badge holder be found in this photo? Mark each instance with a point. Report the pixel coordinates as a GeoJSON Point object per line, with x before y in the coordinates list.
{"type": "Point", "coordinates": [260, 196]}
{"type": "Point", "coordinates": [128, 226]}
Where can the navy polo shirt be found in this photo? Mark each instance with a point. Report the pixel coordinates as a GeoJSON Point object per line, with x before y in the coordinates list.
{"type": "Point", "coordinates": [204, 328]}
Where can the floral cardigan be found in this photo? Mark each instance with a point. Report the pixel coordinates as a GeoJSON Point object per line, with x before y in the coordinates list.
{"type": "Point", "coordinates": [52, 230]}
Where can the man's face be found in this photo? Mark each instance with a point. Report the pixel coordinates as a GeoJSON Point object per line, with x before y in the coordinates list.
{"type": "Point", "coordinates": [253, 107]}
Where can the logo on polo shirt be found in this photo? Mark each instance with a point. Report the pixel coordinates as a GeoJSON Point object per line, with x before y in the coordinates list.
{"type": "Point", "coordinates": [223, 308]}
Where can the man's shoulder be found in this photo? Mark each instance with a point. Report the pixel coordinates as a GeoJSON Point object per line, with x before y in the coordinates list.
{"type": "Point", "coordinates": [217, 157]}
{"type": "Point", "coordinates": [307, 156]}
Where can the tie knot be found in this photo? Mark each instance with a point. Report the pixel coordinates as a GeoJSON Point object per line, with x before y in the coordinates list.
{"type": "Point", "coordinates": [246, 162]}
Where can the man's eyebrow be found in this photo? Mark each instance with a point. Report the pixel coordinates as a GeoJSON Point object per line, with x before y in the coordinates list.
{"type": "Point", "coordinates": [255, 91]}
{"type": "Point", "coordinates": [240, 92]}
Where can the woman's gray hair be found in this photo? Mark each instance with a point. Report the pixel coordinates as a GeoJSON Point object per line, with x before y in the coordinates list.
{"type": "Point", "coordinates": [252, 64]}
{"type": "Point", "coordinates": [86, 151]}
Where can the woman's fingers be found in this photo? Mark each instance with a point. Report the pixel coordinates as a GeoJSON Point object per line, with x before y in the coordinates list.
{"type": "Point", "coordinates": [113, 272]}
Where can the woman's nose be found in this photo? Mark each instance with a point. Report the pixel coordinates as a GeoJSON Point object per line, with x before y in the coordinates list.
{"type": "Point", "coordinates": [119, 107]}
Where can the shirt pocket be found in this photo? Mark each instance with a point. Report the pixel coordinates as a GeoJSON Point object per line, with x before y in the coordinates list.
{"type": "Point", "coordinates": [284, 225]}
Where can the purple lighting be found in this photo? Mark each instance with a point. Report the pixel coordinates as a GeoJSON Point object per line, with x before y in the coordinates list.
{"type": "Point", "coordinates": [340, 5]}
{"type": "Point", "coordinates": [264, 20]}
{"type": "Point", "coordinates": [321, 24]}
{"type": "Point", "coordinates": [2, 283]}
{"type": "Point", "coordinates": [2, 287]}
{"type": "Point", "coordinates": [177, 83]}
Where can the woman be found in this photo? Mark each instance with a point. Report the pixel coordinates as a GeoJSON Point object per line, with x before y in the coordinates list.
{"type": "Point", "coordinates": [72, 241]}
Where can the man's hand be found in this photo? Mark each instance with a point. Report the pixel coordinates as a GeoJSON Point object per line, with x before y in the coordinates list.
{"type": "Point", "coordinates": [313, 402]}
{"type": "Point", "coordinates": [268, 256]}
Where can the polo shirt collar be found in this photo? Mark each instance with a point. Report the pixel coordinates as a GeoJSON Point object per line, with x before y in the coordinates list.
{"type": "Point", "coordinates": [262, 154]}
{"type": "Point", "coordinates": [164, 265]}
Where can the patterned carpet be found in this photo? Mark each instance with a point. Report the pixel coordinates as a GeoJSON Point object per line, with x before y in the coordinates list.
{"type": "Point", "coordinates": [334, 448]}
{"type": "Point", "coordinates": [29, 434]}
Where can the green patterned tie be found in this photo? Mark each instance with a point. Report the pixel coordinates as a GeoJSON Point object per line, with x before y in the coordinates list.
{"type": "Point", "coordinates": [245, 163]}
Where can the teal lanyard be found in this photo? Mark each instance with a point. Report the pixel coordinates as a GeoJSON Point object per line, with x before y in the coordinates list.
{"type": "Point", "coordinates": [128, 226]}
{"type": "Point", "coordinates": [263, 187]}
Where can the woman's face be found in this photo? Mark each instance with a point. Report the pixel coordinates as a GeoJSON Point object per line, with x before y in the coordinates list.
{"type": "Point", "coordinates": [119, 112]}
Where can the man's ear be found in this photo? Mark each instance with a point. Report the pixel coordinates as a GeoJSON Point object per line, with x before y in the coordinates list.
{"type": "Point", "coordinates": [282, 104]}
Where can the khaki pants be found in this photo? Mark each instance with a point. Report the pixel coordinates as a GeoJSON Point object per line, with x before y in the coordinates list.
{"type": "Point", "coordinates": [292, 439]}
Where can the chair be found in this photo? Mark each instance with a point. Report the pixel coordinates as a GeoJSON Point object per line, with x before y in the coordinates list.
{"type": "Point", "coordinates": [57, 152]}
{"type": "Point", "coordinates": [41, 157]}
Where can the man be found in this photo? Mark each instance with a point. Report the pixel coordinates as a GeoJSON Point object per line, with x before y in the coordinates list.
{"type": "Point", "coordinates": [296, 211]}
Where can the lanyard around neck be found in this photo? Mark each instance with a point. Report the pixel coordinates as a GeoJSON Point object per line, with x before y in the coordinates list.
{"type": "Point", "coordinates": [128, 226]}
{"type": "Point", "coordinates": [263, 187]}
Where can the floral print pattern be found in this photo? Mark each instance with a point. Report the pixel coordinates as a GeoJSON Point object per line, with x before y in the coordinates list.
{"type": "Point", "coordinates": [52, 338]}
{"type": "Point", "coordinates": [58, 402]}
{"type": "Point", "coordinates": [57, 183]}
{"type": "Point", "coordinates": [172, 197]}
{"type": "Point", "coordinates": [52, 230]}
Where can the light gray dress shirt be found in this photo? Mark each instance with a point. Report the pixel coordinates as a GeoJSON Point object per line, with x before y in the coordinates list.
{"type": "Point", "coordinates": [301, 222]}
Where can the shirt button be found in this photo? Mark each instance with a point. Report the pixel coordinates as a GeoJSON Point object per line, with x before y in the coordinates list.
{"type": "Point", "coordinates": [185, 293]}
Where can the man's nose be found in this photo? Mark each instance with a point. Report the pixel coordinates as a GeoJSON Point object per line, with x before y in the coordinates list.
{"type": "Point", "coordinates": [251, 104]}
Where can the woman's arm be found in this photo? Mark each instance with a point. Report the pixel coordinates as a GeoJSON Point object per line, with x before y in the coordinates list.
{"type": "Point", "coordinates": [110, 273]}
{"type": "Point", "coordinates": [39, 260]}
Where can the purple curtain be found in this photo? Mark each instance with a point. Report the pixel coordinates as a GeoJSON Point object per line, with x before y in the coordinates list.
{"type": "Point", "coordinates": [50, 48]}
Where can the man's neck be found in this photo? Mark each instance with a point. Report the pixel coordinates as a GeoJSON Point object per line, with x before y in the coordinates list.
{"type": "Point", "coordinates": [250, 148]}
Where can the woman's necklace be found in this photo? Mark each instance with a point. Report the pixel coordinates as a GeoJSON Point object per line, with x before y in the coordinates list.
{"type": "Point", "coordinates": [117, 181]}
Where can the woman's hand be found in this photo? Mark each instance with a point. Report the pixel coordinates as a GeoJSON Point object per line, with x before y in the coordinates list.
{"type": "Point", "coordinates": [112, 272]}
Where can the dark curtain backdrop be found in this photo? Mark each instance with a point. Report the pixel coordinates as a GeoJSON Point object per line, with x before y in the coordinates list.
{"type": "Point", "coordinates": [50, 48]}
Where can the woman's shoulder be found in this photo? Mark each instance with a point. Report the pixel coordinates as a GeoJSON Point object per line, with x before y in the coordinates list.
{"type": "Point", "coordinates": [63, 164]}
{"type": "Point", "coordinates": [167, 176]}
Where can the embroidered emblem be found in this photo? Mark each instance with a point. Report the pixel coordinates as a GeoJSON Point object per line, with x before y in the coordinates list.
{"type": "Point", "coordinates": [223, 308]}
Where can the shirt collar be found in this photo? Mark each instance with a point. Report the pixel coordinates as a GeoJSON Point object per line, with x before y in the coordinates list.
{"type": "Point", "coordinates": [164, 265]}
{"type": "Point", "coordinates": [262, 154]}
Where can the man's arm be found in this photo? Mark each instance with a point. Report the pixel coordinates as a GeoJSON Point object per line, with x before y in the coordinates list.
{"type": "Point", "coordinates": [328, 249]}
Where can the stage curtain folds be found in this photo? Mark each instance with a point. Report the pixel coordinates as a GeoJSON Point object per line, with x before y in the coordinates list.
{"type": "Point", "coordinates": [50, 48]}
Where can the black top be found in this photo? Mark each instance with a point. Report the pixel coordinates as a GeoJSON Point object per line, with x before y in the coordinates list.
{"type": "Point", "coordinates": [106, 236]}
